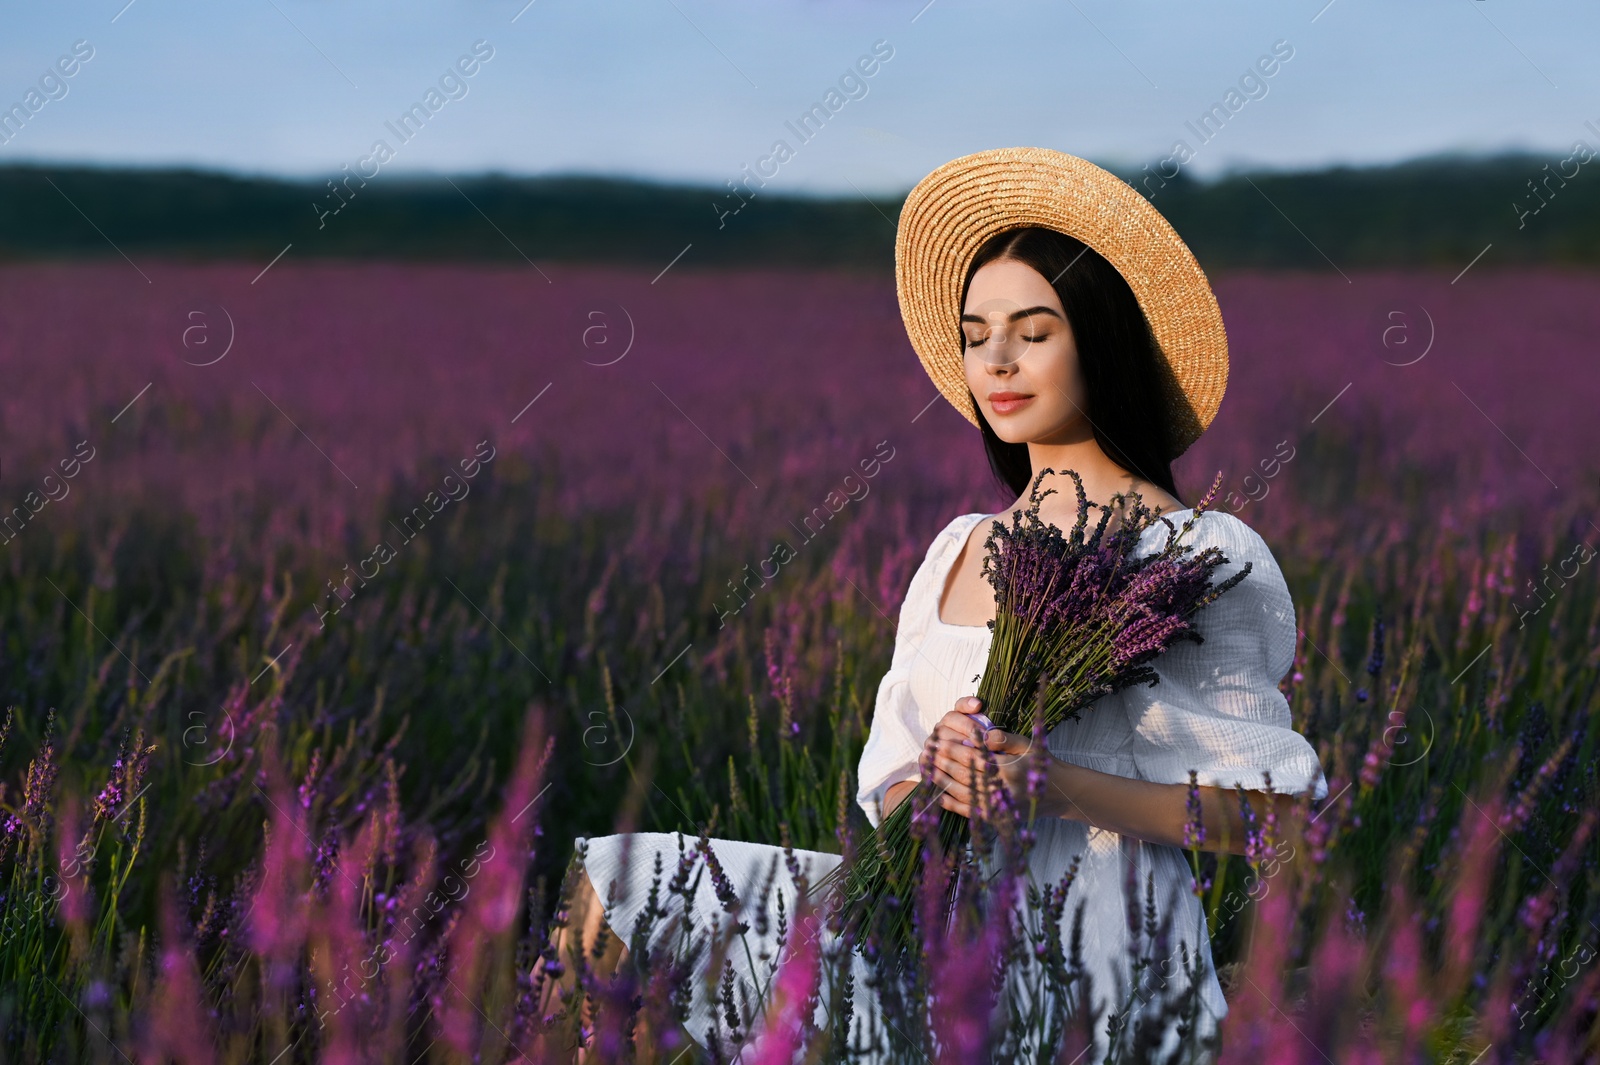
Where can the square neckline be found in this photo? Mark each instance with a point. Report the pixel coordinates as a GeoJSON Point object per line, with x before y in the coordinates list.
{"type": "Point", "coordinates": [966, 539]}
{"type": "Point", "coordinates": [944, 578]}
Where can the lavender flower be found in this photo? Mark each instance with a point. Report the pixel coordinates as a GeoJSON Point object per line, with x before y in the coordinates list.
{"type": "Point", "coordinates": [1375, 661]}
{"type": "Point", "coordinates": [1194, 829]}
{"type": "Point", "coordinates": [1254, 840]}
{"type": "Point", "coordinates": [308, 787]}
{"type": "Point", "coordinates": [726, 893]}
{"type": "Point", "coordinates": [41, 780]}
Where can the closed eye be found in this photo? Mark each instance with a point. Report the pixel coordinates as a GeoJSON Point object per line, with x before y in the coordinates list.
{"type": "Point", "coordinates": [1034, 340]}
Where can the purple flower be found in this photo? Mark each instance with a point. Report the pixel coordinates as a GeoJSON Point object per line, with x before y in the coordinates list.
{"type": "Point", "coordinates": [1254, 840]}
{"type": "Point", "coordinates": [1194, 829]}
{"type": "Point", "coordinates": [719, 878]}
{"type": "Point", "coordinates": [42, 772]}
{"type": "Point", "coordinates": [308, 787]}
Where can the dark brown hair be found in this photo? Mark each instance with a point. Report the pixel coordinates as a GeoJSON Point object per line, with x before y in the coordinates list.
{"type": "Point", "coordinates": [1117, 353]}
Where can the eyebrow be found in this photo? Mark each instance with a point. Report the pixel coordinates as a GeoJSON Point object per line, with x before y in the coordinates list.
{"type": "Point", "coordinates": [1015, 315]}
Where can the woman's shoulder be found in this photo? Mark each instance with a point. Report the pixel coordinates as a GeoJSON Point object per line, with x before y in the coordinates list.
{"type": "Point", "coordinates": [1264, 596]}
{"type": "Point", "coordinates": [1216, 528]}
{"type": "Point", "coordinates": [954, 534]}
{"type": "Point", "coordinates": [1265, 590]}
{"type": "Point", "coordinates": [1253, 622]}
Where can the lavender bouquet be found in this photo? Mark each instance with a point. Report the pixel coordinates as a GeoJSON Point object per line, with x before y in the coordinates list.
{"type": "Point", "coordinates": [1076, 617]}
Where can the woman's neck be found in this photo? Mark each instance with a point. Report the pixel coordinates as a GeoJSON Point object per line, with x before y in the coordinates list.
{"type": "Point", "coordinates": [1101, 477]}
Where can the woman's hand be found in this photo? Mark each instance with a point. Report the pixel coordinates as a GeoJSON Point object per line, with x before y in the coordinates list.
{"type": "Point", "coordinates": [957, 746]}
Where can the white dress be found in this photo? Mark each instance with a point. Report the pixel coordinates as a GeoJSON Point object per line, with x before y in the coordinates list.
{"type": "Point", "coordinates": [1217, 710]}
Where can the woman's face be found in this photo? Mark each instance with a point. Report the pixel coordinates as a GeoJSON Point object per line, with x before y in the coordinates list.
{"type": "Point", "coordinates": [1019, 355]}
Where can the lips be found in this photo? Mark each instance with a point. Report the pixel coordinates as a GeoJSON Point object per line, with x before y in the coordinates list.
{"type": "Point", "coordinates": [1007, 402]}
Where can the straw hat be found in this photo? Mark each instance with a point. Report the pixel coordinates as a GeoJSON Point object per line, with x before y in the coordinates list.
{"type": "Point", "coordinates": [952, 211]}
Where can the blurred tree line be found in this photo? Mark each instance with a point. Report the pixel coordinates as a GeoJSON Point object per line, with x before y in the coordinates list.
{"type": "Point", "coordinates": [1439, 211]}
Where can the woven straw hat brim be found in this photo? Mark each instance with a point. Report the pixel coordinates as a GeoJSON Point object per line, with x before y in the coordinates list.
{"type": "Point", "coordinates": [952, 211]}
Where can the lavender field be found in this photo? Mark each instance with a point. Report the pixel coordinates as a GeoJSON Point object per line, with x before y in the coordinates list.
{"type": "Point", "coordinates": [327, 589]}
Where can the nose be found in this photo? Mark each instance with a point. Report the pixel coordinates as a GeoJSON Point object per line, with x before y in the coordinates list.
{"type": "Point", "coordinates": [1003, 346]}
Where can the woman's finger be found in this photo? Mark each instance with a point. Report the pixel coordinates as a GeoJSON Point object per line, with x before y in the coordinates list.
{"type": "Point", "coordinates": [958, 725]}
{"type": "Point", "coordinates": [963, 753]}
{"type": "Point", "coordinates": [1009, 746]}
{"type": "Point", "coordinates": [955, 806]}
{"type": "Point", "coordinates": [949, 784]}
{"type": "Point", "coordinates": [973, 706]}
{"type": "Point", "coordinates": [958, 783]}
{"type": "Point", "coordinates": [961, 763]}
{"type": "Point", "coordinates": [961, 740]}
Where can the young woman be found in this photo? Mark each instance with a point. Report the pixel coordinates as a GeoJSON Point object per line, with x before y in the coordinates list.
{"type": "Point", "coordinates": [1060, 363]}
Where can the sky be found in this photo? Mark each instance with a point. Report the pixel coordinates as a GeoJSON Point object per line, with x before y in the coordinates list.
{"type": "Point", "coordinates": [694, 90]}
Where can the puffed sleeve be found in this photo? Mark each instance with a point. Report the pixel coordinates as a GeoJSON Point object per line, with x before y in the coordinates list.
{"type": "Point", "coordinates": [895, 738]}
{"type": "Point", "coordinates": [1217, 708]}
